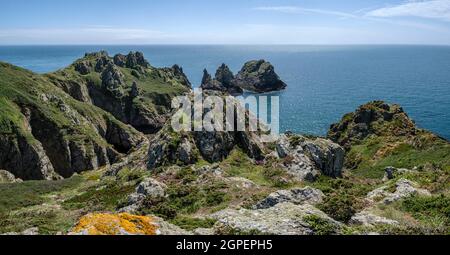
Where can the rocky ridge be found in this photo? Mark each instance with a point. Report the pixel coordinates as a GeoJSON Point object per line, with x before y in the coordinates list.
{"type": "Point", "coordinates": [256, 76]}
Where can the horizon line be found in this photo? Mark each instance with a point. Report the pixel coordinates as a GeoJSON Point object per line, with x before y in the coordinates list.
{"type": "Point", "coordinates": [230, 44]}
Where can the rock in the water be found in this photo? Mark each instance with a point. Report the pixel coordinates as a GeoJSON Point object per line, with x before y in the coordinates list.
{"type": "Point", "coordinates": [296, 196]}
{"type": "Point", "coordinates": [258, 76]}
{"type": "Point", "coordinates": [7, 177]}
{"type": "Point", "coordinates": [281, 219]}
{"type": "Point", "coordinates": [221, 82]}
{"type": "Point", "coordinates": [368, 219]}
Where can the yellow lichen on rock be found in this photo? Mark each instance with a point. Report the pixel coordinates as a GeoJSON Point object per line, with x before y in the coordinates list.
{"type": "Point", "coordinates": [115, 224]}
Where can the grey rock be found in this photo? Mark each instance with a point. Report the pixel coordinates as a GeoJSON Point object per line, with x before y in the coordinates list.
{"type": "Point", "coordinates": [258, 76]}
{"type": "Point", "coordinates": [307, 158]}
{"type": "Point", "coordinates": [26, 232]}
{"type": "Point", "coordinates": [281, 219]}
{"type": "Point", "coordinates": [7, 177]}
{"type": "Point", "coordinates": [113, 80]}
{"type": "Point", "coordinates": [403, 189]}
{"type": "Point", "coordinates": [203, 231]}
{"type": "Point", "coordinates": [296, 196]}
{"type": "Point", "coordinates": [368, 219]}
{"type": "Point", "coordinates": [328, 156]}
{"type": "Point", "coordinates": [148, 188]}
{"type": "Point", "coordinates": [83, 67]}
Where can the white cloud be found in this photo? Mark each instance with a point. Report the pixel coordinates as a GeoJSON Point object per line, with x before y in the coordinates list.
{"type": "Point", "coordinates": [434, 9]}
{"type": "Point", "coordinates": [296, 9]}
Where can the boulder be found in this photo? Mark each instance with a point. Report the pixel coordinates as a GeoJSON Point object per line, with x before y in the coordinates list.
{"type": "Point", "coordinates": [26, 232]}
{"type": "Point", "coordinates": [258, 76]}
{"type": "Point", "coordinates": [148, 188]}
{"type": "Point", "coordinates": [328, 156]}
{"type": "Point", "coordinates": [7, 177]}
{"type": "Point", "coordinates": [403, 189]}
{"type": "Point", "coordinates": [281, 219]}
{"type": "Point", "coordinates": [368, 219]}
{"type": "Point", "coordinates": [296, 196]}
{"type": "Point", "coordinates": [307, 158]}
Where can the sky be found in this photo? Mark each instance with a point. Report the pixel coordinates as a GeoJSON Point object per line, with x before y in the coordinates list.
{"type": "Point", "coordinates": [33, 22]}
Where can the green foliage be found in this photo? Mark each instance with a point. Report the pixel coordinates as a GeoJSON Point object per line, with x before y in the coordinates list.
{"type": "Point", "coordinates": [186, 199]}
{"type": "Point", "coordinates": [19, 195]}
{"type": "Point", "coordinates": [189, 223]}
{"type": "Point", "coordinates": [343, 197]}
{"type": "Point", "coordinates": [320, 226]}
{"type": "Point", "coordinates": [428, 208]}
{"type": "Point", "coordinates": [100, 198]}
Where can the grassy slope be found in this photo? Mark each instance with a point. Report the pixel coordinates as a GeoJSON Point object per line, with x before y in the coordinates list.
{"type": "Point", "coordinates": [22, 87]}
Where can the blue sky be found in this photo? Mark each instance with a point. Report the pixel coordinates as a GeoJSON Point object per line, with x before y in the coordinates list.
{"type": "Point", "coordinates": [225, 22]}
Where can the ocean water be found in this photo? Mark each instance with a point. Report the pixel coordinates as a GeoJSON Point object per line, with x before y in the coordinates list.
{"type": "Point", "coordinates": [324, 82]}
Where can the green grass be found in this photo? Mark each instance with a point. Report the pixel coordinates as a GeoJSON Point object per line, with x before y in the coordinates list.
{"type": "Point", "coordinates": [19, 195]}
{"type": "Point", "coordinates": [101, 198]}
{"type": "Point", "coordinates": [403, 155]}
{"type": "Point", "coordinates": [429, 210]}
{"type": "Point", "coordinates": [190, 223]}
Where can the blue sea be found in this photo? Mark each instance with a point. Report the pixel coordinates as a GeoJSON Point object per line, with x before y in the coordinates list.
{"type": "Point", "coordinates": [324, 82]}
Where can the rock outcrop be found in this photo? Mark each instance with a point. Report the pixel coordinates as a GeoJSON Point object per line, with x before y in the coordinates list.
{"type": "Point", "coordinates": [281, 219]}
{"type": "Point", "coordinates": [295, 196]}
{"type": "Point", "coordinates": [7, 177]}
{"type": "Point", "coordinates": [403, 188]}
{"type": "Point", "coordinates": [123, 224]}
{"type": "Point", "coordinates": [255, 76]}
{"type": "Point", "coordinates": [307, 158]}
{"type": "Point", "coordinates": [374, 118]}
{"type": "Point", "coordinates": [46, 134]}
{"type": "Point", "coordinates": [223, 81]}
{"type": "Point", "coordinates": [127, 86]}
{"type": "Point", "coordinates": [148, 188]}
{"type": "Point", "coordinates": [258, 76]}
{"type": "Point", "coordinates": [368, 219]}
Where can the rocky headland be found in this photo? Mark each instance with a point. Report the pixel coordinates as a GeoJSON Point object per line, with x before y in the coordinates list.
{"type": "Point", "coordinates": [89, 149]}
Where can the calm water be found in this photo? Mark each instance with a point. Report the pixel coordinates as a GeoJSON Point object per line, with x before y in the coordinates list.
{"type": "Point", "coordinates": [325, 82]}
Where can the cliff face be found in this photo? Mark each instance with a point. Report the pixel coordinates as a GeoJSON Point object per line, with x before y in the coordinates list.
{"type": "Point", "coordinates": [127, 86]}
{"type": "Point", "coordinates": [46, 134]}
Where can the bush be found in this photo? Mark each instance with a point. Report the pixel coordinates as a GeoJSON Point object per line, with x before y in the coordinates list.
{"type": "Point", "coordinates": [189, 223]}
{"type": "Point", "coordinates": [320, 226]}
{"type": "Point", "coordinates": [424, 208]}
{"type": "Point", "coordinates": [340, 207]}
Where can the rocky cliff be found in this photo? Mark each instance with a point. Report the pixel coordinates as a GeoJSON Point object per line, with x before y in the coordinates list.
{"type": "Point", "coordinates": [256, 76]}
{"type": "Point", "coordinates": [126, 86]}
{"type": "Point", "coordinates": [45, 133]}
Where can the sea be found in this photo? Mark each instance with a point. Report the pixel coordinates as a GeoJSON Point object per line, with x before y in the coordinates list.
{"type": "Point", "coordinates": [324, 82]}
